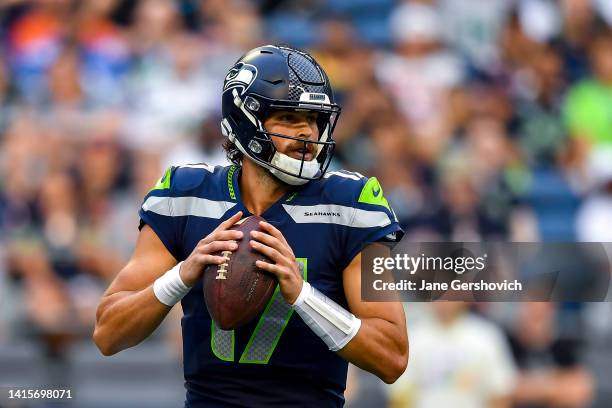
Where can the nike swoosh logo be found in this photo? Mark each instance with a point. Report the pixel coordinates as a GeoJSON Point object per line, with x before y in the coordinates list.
{"type": "Point", "coordinates": [376, 192]}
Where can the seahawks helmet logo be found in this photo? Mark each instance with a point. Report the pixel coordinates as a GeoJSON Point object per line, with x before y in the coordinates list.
{"type": "Point", "coordinates": [240, 76]}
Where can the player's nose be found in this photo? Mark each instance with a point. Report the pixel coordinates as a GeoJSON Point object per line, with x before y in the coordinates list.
{"type": "Point", "coordinates": [305, 131]}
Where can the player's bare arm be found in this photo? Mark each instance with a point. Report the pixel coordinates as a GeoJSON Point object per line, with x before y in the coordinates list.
{"type": "Point", "coordinates": [381, 344]}
{"type": "Point", "coordinates": [129, 310]}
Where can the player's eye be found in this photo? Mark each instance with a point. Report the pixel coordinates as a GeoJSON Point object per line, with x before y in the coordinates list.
{"type": "Point", "coordinates": [293, 118]}
{"type": "Point", "coordinates": [312, 118]}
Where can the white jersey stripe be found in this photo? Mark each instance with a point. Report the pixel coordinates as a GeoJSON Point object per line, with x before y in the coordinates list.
{"type": "Point", "coordinates": [207, 167]}
{"type": "Point", "coordinates": [183, 206]}
{"type": "Point", "coordinates": [337, 214]}
{"type": "Point", "coordinates": [348, 175]}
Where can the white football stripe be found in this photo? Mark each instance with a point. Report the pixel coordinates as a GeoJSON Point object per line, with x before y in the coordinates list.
{"type": "Point", "coordinates": [337, 214]}
{"type": "Point", "coordinates": [183, 206]}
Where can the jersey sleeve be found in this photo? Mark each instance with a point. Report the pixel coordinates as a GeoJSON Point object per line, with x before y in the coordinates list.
{"type": "Point", "coordinates": [157, 212]}
{"type": "Point", "coordinates": [373, 219]}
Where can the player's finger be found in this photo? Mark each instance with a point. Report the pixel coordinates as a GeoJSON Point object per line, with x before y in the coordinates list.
{"type": "Point", "coordinates": [272, 230]}
{"type": "Point", "coordinates": [270, 241]}
{"type": "Point", "coordinates": [217, 246]}
{"type": "Point", "coordinates": [269, 267]}
{"type": "Point", "coordinates": [227, 235]}
{"type": "Point", "coordinates": [207, 259]}
{"type": "Point", "coordinates": [271, 253]}
{"type": "Point", "coordinates": [229, 222]}
{"type": "Point", "coordinates": [224, 227]}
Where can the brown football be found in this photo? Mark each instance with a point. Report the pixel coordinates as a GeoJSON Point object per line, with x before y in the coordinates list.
{"type": "Point", "coordinates": [237, 291]}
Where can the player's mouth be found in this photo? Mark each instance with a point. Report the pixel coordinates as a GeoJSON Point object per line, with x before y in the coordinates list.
{"type": "Point", "coordinates": [300, 153]}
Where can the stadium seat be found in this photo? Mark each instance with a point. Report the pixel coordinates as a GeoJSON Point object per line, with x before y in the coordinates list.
{"type": "Point", "coordinates": [298, 31]}
{"type": "Point", "coordinates": [555, 205]}
{"type": "Point", "coordinates": [148, 375]}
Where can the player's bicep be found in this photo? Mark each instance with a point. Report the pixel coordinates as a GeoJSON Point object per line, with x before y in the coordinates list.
{"type": "Point", "coordinates": [392, 312]}
{"type": "Point", "coordinates": [149, 261]}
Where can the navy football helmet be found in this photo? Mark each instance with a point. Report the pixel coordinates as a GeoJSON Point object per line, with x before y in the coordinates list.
{"type": "Point", "coordinates": [273, 78]}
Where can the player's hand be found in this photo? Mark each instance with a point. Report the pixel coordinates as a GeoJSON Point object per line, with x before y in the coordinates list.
{"type": "Point", "coordinates": [221, 239]}
{"type": "Point", "coordinates": [271, 243]}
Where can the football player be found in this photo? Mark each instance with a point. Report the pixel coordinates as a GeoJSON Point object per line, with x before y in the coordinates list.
{"type": "Point", "coordinates": [278, 117]}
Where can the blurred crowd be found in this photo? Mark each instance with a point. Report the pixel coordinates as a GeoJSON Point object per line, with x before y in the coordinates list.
{"type": "Point", "coordinates": [483, 119]}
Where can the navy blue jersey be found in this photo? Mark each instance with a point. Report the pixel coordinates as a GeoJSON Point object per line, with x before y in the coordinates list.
{"type": "Point", "coordinates": [275, 360]}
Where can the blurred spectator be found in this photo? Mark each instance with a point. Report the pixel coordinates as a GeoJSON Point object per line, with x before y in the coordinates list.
{"type": "Point", "coordinates": [104, 244]}
{"type": "Point", "coordinates": [456, 360]}
{"type": "Point", "coordinates": [105, 53]}
{"type": "Point", "coordinates": [588, 100]}
{"type": "Point", "coordinates": [202, 147]}
{"type": "Point", "coordinates": [480, 184]}
{"type": "Point", "coordinates": [347, 62]}
{"type": "Point", "coordinates": [27, 257]}
{"type": "Point", "coordinates": [66, 111]}
{"type": "Point", "coordinates": [551, 370]}
{"type": "Point", "coordinates": [595, 215]}
{"type": "Point", "coordinates": [5, 96]}
{"type": "Point", "coordinates": [578, 20]}
{"type": "Point", "coordinates": [170, 95]}
{"type": "Point", "coordinates": [539, 19]}
{"type": "Point", "coordinates": [605, 10]}
{"type": "Point", "coordinates": [540, 129]}
{"type": "Point", "coordinates": [234, 24]}
{"type": "Point", "coordinates": [34, 40]}
{"type": "Point", "coordinates": [62, 244]}
{"type": "Point", "coordinates": [421, 74]}
{"type": "Point", "coordinates": [588, 106]}
{"type": "Point", "coordinates": [473, 28]}
{"type": "Point", "coordinates": [154, 21]}
{"type": "Point", "coordinates": [392, 153]}
{"type": "Point", "coordinates": [367, 107]}
{"type": "Point", "coordinates": [514, 44]}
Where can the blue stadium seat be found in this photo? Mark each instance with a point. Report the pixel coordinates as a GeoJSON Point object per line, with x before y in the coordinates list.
{"type": "Point", "coordinates": [374, 31]}
{"type": "Point", "coordinates": [554, 204]}
{"type": "Point", "coordinates": [148, 375]}
{"type": "Point", "coordinates": [294, 30]}
{"type": "Point", "coordinates": [360, 7]}
{"type": "Point", "coordinates": [19, 365]}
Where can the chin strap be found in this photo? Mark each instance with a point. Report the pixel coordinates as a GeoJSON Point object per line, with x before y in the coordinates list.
{"type": "Point", "coordinates": [291, 165]}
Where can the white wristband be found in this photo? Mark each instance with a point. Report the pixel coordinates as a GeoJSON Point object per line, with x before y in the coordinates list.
{"type": "Point", "coordinates": [335, 325]}
{"type": "Point", "coordinates": [303, 293]}
{"type": "Point", "coordinates": [170, 288]}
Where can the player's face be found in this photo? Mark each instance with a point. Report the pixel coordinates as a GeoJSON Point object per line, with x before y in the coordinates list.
{"type": "Point", "coordinates": [298, 124]}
